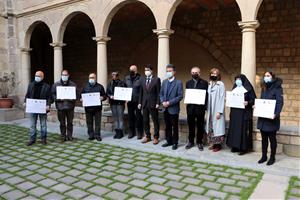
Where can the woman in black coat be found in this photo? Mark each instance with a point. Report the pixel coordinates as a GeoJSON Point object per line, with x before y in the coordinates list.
{"type": "Point", "coordinates": [271, 89]}
{"type": "Point", "coordinates": [241, 123]}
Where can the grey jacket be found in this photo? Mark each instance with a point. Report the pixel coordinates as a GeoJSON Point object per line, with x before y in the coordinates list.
{"type": "Point", "coordinates": [64, 104]}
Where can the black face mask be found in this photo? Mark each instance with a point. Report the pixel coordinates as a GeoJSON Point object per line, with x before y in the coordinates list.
{"type": "Point", "coordinates": [213, 78]}
{"type": "Point", "coordinates": [131, 73]}
{"type": "Point", "coordinates": [195, 76]}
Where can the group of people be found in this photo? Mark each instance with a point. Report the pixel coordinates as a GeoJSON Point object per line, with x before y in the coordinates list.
{"type": "Point", "coordinates": [150, 96]}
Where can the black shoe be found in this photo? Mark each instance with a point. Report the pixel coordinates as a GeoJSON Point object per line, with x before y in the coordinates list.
{"type": "Point", "coordinates": [234, 150]}
{"type": "Point", "coordinates": [44, 142]}
{"type": "Point", "coordinates": [70, 138]}
{"type": "Point", "coordinates": [130, 136]}
{"type": "Point", "coordinates": [166, 145]}
{"type": "Point", "coordinates": [139, 137]}
{"type": "Point", "coordinates": [120, 134]}
{"type": "Point", "coordinates": [91, 138]}
{"type": "Point", "coordinates": [200, 147]}
{"type": "Point", "coordinates": [263, 159]}
{"type": "Point", "coordinates": [189, 145]}
{"type": "Point", "coordinates": [31, 142]}
{"type": "Point", "coordinates": [175, 146]}
{"type": "Point", "coordinates": [271, 161]}
{"type": "Point", "coordinates": [99, 138]}
{"type": "Point", "coordinates": [242, 153]}
{"type": "Point", "coordinates": [116, 133]}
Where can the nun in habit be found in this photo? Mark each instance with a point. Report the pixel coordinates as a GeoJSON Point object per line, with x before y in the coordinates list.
{"type": "Point", "coordinates": [241, 123]}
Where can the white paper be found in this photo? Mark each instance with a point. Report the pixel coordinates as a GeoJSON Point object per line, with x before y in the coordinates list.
{"type": "Point", "coordinates": [91, 99]}
{"type": "Point", "coordinates": [122, 94]}
{"type": "Point", "coordinates": [195, 96]}
{"type": "Point", "coordinates": [36, 106]}
{"type": "Point", "coordinates": [65, 92]}
{"type": "Point", "coordinates": [240, 89]}
{"type": "Point", "coordinates": [264, 108]}
{"type": "Point", "coordinates": [235, 100]}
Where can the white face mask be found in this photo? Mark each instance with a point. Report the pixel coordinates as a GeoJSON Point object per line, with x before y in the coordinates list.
{"type": "Point", "coordinates": [64, 78]}
{"type": "Point", "coordinates": [148, 73]}
{"type": "Point", "coordinates": [169, 75]}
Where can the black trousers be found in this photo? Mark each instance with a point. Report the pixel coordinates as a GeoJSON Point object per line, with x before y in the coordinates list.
{"type": "Point", "coordinates": [192, 121]}
{"type": "Point", "coordinates": [171, 122]}
{"type": "Point", "coordinates": [93, 119]}
{"type": "Point", "coordinates": [135, 118]}
{"type": "Point", "coordinates": [271, 136]}
{"type": "Point", "coordinates": [146, 118]}
{"type": "Point", "coordinates": [66, 130]}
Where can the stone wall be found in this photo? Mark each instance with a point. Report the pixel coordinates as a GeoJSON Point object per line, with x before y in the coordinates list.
{"type": "Point", "coordinates": [3, 39]}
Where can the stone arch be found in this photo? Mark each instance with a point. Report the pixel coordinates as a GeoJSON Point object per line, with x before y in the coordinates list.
{"type": "Point", "coordinates": [67, 18]}
{"type": "Point", "coordinates": [30, 30]}
{"type": "Point", "coordinates": [114, 8]}
{"type": "Point", "coordinates": [172, 11]}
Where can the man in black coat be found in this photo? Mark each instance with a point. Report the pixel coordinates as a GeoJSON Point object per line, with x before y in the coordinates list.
{"type": "Point", "coordinates": [196, 112]}
{"type": "Point", "coordinates": [65, 107]}
{"type": "Point", "coordinates": [93, 113]}
{"type": "Point", "coordinates": [149, 103]}
{"type": "Point", "coordinates": [135, 117]}
{"type": "Point", "coordinates": [38, 89]}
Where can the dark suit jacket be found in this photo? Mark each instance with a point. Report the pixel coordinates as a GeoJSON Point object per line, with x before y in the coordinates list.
{"type": "Point", "coordinates": [174, 95]}
{"type": "Point", "coordinates": [149, 97]}
{"type": "Point", "coordinates": [193, 108]}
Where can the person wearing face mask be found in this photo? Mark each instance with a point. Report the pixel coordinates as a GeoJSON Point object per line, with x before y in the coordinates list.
{"type": "Point", "coordinates": [215, 122]}
{"type": "Point", "coordinates": [149, 103]}
{"type": "Point", "coordinates": [241, 120]}
{"type": "Point", "coordinates": [196, 112]}
{"type": "Point", "coordinates": [38, 89]}
{"type": "Point", "coordinates": [171, 94]}
{"type": "Point", "coordinates": [93, 113]}
{"type": "Point", "coordinates": [135, 117]}
{"type": "Point", "coordinates": [117, 107]}
{"type": "Point", "coordinates": [65, 107]}
{"type": "Point", "coordinates": [271, 89]}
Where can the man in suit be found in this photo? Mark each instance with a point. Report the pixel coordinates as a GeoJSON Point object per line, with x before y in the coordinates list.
{"type": "Point", "coordinates": [196, 112]}
{"type": "Point", "coordinates": [170, 95]}
{"type": "Point", "coordinates": [149, 103]}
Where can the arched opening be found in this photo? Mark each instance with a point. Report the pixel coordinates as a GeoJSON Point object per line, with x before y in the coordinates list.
{"type": "Point", "coordinates": [41, 54]}
{"type": "Point", "coordinates": [80, 52]}
{"type": "Point", "coordinates": [130, 27]}
{"type": "Point", "coordinates": [214, 36]}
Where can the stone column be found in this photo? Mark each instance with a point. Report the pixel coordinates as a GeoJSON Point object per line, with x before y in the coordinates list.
{"type": "Point", "coordinates": [58, 59]}
{"type": "Point", "coordinates": [102, 59]}
{"type": "Point", "coordinates": [25, 72]}
{"type": "Point", "coordinates": [248, 64]}
{"type": "Point", "coordinates": [163, 50]}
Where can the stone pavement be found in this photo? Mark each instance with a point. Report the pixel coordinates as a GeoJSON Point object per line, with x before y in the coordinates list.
{"type": "Point", "coordinates": [126, 169]}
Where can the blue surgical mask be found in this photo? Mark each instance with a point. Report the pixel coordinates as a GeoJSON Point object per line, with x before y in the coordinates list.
{"type": "Point", "coordinates": [267, 79]}
{"type": "Point", "coordinates": [169, 75]}
{"type": "Point", "coordinates": [238, 82]}
{"type": "Point", "coordinates": [64, 78]}
{"type": "Point", "coordinates": [92, 81]}
{"type": "Point", "coordinates": [37, 79]}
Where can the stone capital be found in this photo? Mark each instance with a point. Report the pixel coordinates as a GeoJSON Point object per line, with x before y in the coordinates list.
{"type": "Point", "coordinates": [101, 39]}
{"type": "Point", "coordinates": [163, 32]}
{"type": "Point", "coordinates": [248, 26]}
{"type": "Point", "coordinates": [58, 45]}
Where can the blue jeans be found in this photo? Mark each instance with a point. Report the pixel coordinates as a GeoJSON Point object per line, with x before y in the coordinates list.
{"type": "Point", "coordinates": [43, 122]}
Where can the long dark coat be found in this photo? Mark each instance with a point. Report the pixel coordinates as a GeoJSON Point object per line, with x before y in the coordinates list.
{"type": "Point", "coordinates": [241, 122]}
